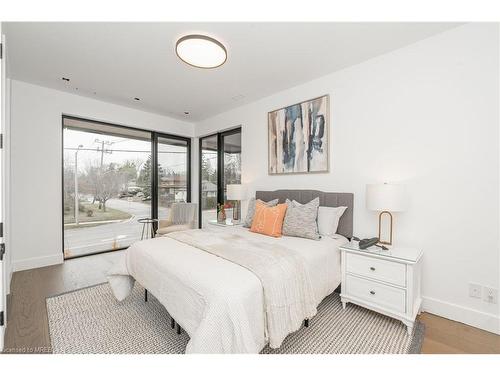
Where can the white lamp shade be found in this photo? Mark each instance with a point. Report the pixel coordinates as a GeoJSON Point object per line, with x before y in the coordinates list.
{"type": "Point", "coordinates": [386, 197]}
{"type": "Point", "coordinates": [234, 192]}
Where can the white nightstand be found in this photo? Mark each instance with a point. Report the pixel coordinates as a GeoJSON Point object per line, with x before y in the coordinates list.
{"type": "Point", "coordinates": [385, 281]}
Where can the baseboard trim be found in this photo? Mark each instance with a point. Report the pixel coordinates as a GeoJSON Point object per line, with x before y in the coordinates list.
{"type": "Point", "coordinates": [479, 319]}
{"type": "Point", "coordinates": [37, 262]}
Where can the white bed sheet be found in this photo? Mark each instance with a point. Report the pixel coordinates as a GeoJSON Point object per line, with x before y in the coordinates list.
{"type": "Point", "coordinates": [204, 293]}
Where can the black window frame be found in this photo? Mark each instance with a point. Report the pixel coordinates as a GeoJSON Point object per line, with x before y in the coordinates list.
{"type": "Point", "coordinates": [220, 168]}
{"type": "Point", "coordinates": [154, 165]}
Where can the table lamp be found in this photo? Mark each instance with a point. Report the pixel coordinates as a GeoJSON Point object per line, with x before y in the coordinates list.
{"type": "Point", "coordinates": [385, 198]}
{"type": "Point", "coordinates": [235, 193]}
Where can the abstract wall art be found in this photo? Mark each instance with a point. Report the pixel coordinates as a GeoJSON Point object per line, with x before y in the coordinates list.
{"type": "Point", "coordinates": [298, 137]}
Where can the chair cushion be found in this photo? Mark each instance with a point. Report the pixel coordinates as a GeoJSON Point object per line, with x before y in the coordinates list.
{"type": "Point", "coordinates": [182, 213]}
{"type": "Point", "coordinates": [173, 228]}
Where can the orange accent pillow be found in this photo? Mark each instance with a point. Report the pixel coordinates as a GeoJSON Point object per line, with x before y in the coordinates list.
{"type": "Point", "coordinates": [268, 220]}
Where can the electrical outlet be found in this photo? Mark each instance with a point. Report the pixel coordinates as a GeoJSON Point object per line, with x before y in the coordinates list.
{"type": "Point", "coordinates": [475, 290]}
{"type": "Point", "coordinates": [490, 295]}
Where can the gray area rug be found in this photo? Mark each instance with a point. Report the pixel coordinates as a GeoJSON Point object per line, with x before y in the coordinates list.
{"type": "Point", "coordinates": [90, 320]}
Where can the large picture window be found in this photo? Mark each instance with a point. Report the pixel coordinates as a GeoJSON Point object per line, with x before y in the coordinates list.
{"type": "Point", "coordinates": [112, 177]}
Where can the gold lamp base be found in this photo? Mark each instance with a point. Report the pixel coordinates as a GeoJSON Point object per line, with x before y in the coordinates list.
{"type": "Point", "coordinates": [380, 228]}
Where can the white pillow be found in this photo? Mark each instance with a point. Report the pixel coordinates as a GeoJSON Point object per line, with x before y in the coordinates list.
{"type": "Point", "coordinates": [328, 219]}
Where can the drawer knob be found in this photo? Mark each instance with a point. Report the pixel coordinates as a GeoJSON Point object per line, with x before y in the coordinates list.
{"type": "Point", "coordinates": [372, 292]}
{"type": "Point", "coordinates": [372, 268]}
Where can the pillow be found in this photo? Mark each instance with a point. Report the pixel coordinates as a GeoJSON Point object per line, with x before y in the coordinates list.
{"type": "Point", "coordinates": [328, 219]}
{"type": "Point", "coordinates": [300, 219]}
{"type": "Point", "coordinates": [268, 220]}
{"type": "Point", "coordinates": [251, 210]}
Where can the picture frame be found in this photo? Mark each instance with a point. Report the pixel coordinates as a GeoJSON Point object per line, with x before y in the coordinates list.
{"type": "Point", "coordinates": [298, 137]}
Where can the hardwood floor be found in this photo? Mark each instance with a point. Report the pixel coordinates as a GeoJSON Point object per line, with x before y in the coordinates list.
{"type": "Point", "coordinates": [27, 328]}
{"type": "Point", "coordinates": [446, 336]}
{"type": "Point", "coordinates": [27, 325]}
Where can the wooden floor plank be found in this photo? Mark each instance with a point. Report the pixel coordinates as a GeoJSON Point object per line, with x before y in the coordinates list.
{"type": "Point", "coordinates": [27, 328]}
{"type": "Point", "coordinates": [457, 337]}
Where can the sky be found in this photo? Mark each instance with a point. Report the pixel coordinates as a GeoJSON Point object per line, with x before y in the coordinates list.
{"type": "Point", "coordinates": [118, 151]}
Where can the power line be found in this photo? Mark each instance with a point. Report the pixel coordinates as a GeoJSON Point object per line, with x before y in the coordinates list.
{"type": "Point", "coordinates": [99, 150]}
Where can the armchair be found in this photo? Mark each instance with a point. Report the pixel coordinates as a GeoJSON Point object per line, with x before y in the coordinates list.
{"type": "Point", "coordinates": [182, 217]}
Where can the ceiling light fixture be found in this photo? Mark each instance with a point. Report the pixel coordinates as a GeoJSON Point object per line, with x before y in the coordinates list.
{"type": "Point", "coordinates": [201, 51]}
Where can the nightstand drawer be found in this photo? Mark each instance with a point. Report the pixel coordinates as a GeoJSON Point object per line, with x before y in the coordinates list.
{"type": "Point", "coordinates": [375, 293]}
{"type": "Point", "coordinates": [391, 272]}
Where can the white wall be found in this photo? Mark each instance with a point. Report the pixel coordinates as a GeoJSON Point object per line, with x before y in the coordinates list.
{"type": "Point", "coordinates": [6, 195]}
{"type": "Point", "coordinates": [426, 115]}
{"type": "Point", "coordinates": [36, 137]}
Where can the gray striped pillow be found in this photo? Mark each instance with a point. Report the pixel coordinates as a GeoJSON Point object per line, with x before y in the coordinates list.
{"type": "Point", "coordinates": [301, 219]}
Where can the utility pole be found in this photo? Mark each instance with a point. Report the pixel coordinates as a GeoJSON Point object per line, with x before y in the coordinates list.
{"type": "Point", "coordinates": [102, 152]}
{"type": "Point", "coordinates": [108, 151]}
{"type": "Point", "coordinates": [102, 143]}
{"type": "Point", "coordinates": [76, 185]}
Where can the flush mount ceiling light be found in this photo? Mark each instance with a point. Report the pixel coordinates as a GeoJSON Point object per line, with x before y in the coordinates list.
{"type": "Point", "coordinates": [201, 51]}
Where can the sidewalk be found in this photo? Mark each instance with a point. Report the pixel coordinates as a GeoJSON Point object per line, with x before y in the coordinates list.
{"type": "Point", "coordinates": [96, 222]}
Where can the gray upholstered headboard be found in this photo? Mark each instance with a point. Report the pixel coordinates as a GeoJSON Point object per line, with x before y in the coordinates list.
{"type": "Point", "coordinates": [325, 199]}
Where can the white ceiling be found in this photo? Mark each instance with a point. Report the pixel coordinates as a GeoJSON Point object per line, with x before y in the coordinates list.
{"type": "Point", "coordinates": [116, 62]}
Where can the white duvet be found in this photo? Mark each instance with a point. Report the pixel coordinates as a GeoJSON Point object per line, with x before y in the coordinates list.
{"type": "Point", "coordinates": [219, 303]}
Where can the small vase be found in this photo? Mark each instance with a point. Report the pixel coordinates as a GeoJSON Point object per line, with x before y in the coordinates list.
{"type": "Point", "coordinates": [221, 216]}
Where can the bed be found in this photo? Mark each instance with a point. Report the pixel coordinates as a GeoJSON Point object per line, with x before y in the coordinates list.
{"type": "Point", "coordinates": [220, 304]}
